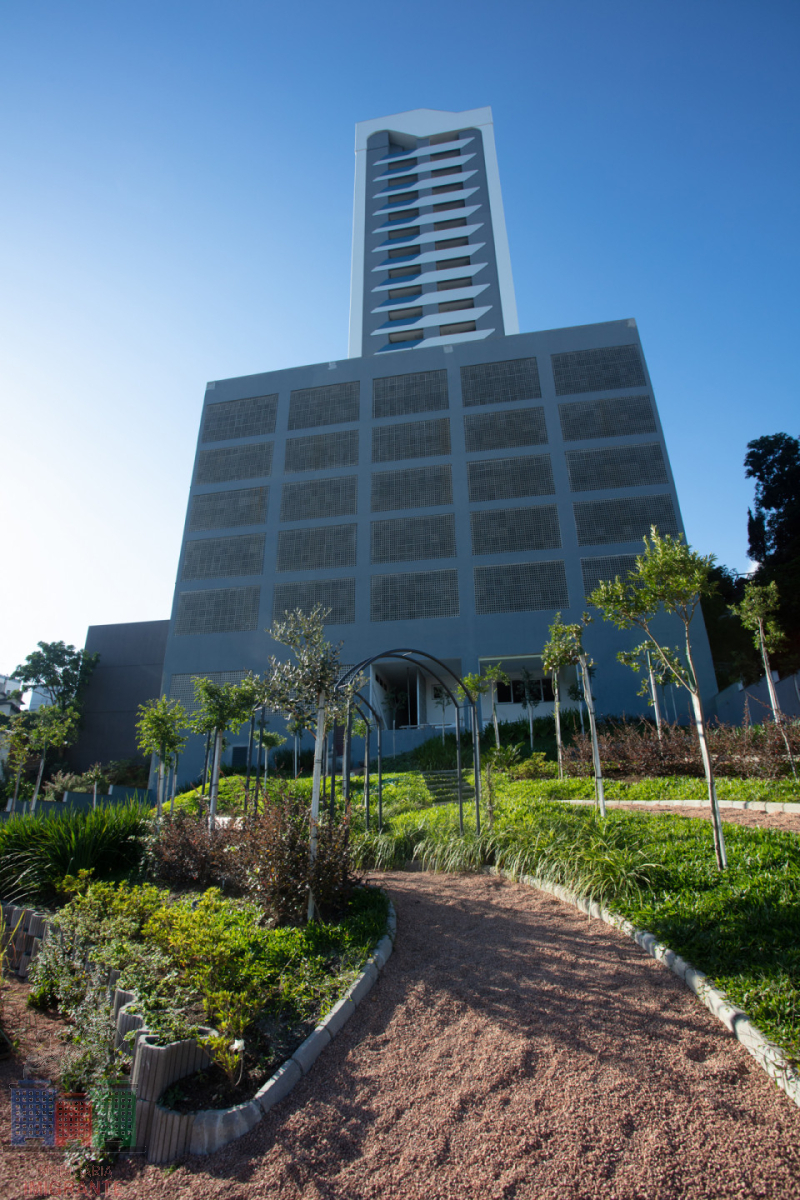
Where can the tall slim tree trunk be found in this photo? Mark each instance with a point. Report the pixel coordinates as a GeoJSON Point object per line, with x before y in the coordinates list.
{"type": "Point", "coordinates": [716, 821]}
{"type": "Point", "coordinates": [174, 790]}
{"type": "Point", "coordinates": [35, 796]}
{"type": "Point", "coordinates": [205, 764]}
{"type": "Point", "coordinates": [557, 716]}
{"type": "Point", "coordinates": [212, 808]}
{"type": "Point", "coordinates": [773, 698]}
{"type": "Point", "coordinates": [160, 785]}
{"type": "Point", "coordinates": [494, 717]}
{"type": "Point", "coordinates": [12, 804]}
{"type": "Point", "coordinates": [598, 770]}
{"type": "Point", "coordinates": [249, 761]}
{"type": "Point", "coordinates": [315, 793]}
{"type": "Point", "coordinates": [295, 757]}
{"type": "Point", "coordinates": [654, 695]}
{"type": "Point", "coordinates": [94, 795]}
{"type": "Point", "coordinates": [530, 725]}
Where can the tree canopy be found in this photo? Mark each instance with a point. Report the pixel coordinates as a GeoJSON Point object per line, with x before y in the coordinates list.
{"type": "Point", "coordinates": [57, 669]}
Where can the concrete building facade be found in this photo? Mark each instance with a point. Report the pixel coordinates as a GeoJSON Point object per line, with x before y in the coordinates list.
{"type": "Point", "coordinates": [450, 490]}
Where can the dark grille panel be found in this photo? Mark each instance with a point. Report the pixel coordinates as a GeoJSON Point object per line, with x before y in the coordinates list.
{"type": "Point", "coordinates": [625, 415]}
{"type": "Point", "coordinates": [225, 510]}
{"type": "Point", "coordinates": [598, 370]}
{"type": "Point", "coordinates": [339, 595]}
{"type": "Point", "coordinates": [317, 549]}
{"type": "Point", "coordinates": [412, 439]}
{"type": "Point", "coordinates": [520, 587]}
{"type": "Point", "coordinates": [181, 687]}
{"type": "Point", "coordinates": [505, 430]}
{"type": "Point", "coordinates": [408, 538]}
{"type": "Point", "coordinates": [221, 610]}
{"type": "Point", "coordinates": [415, 487]}
{"type": "Point", "coordinates": [616, 467]}
{"type": "Point", "coordinates": [214, 558]}
{"type": "Point", "coordinates": [331, 405]}
{"type": "Point", "coordinates": [234, 462]}
{"type": "Point", "coordinates": [321, 451]}
{"type": "Point", "coordinates": [606, 567]}
{"type": "Point", "coordinates": [336, 497]}
{"type": "Point", "coordinates": [240, 418]}
{"type": "Point", "coordinates": [501, 382]}
{"type": "Point", "coordinates": [417, 596]}
{"type": "Point", "coordinates": [401, 395]}
{"type": "Point", "coordinates": [600, 522]}
{"type": "Point", "coordinates": [510, 478]}
{"type": "Point", "coordinates": [505, 530]}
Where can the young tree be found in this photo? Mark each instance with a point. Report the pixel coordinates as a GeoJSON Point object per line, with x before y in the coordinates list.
{"type": "Point", "coordinates": [478, 685]}
{"type": "Point", "coordinates": [59, 670]}
{"type": "Point", "coordinates": [52, 726]}
{"type": "Point", "coordinates": [161, 731]}
{"type": "Point", "coordinates": [442, 701]}
{"type": "Point", "coordinates": [495, 674]}
{"type": "Point", "coordinates": [95, 776]}
{"type": "Point", "coordinates": [16, 738]}
{"type": "Point", "coordinates": [565, 649]}
{"type": "Point", "coordinates": [307, 683]}
{"type": "Point", "coordinates": [222, 707]}
{"type": "Point", "coordinates": [394, 700]}
{"type": "Point", "coordinates": [757, 612]}
{"type": "Point", "coordinates": [669, 577]}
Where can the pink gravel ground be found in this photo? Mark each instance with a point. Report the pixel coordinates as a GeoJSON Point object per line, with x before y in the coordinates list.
{"type": "Point", "coordinates": [511, 1048]}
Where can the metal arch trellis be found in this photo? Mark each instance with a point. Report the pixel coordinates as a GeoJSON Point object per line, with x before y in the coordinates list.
{"type": "Point", "coordinates": [408, 654]}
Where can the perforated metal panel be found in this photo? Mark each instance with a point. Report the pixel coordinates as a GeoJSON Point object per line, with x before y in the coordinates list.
{"type": "Point", "coordinates": [220, 610]}
{"type": "Point", "coordinates": [505, 430]}
{"type": "Point", "coordinates": [181, 687]}
{"type": "Point", "coordinates": [414, 487]}
{"type": "Point", "coordinates": [240, 418]}
{"type": "Point", "coordinates": [510, 478]}
{"type": "Point", "coordinates": [605, 567]}
{"type": "Point", "coordinates": [520, 587]}
{"type": "Point", "coordinates": [405, 539]}
{"type": "Point", "coordinates": [616, 467]}
{"type": "Point", "coordinates": [213, 558]}
{"type": "Point", "coordinates": [331, 405]}
{"type": "Point", "coordinates": [600, 522]}
{"type": "Point", "coordinates": [598, 370]}
{"type": "Point", "coordinates": [625, 415]}
{"type": "Point", "coordinates": [504, 530]}
{"type": "Point", "coordinates": [416, 596]}
{"type": "Point", "coordinates": [501, 382]}
{"type": "Point", "coordinates": [315, 549]}
{"type": "Point", "coordinates": [321, 451]}
{"type": "Point", "coordinates": [336, 497]}
{"type": "Point", "coordinates": [411, 439]}
{"type": "Point", "coordinates": [234, 462]}
{"type": "Point", "coordinates": [225, 510]}
{"type": "Point", "coordinates": [401, 395]}
{"type": "Point", "coordinates": [338, 595]}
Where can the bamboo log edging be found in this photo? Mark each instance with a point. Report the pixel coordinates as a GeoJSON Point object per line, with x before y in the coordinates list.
{"type": "Point", "coordinates": [769, 1057]}
{"type": "Point", "coordinates": [165, 1134]}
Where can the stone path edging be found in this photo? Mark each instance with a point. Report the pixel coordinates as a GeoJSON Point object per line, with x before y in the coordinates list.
{"type": "Point", "coordinates": [765, 806]}
{"type": "Point", "coordinates": [769, 1057]}
{"type": "Point", "coordinates": [214, 1128]}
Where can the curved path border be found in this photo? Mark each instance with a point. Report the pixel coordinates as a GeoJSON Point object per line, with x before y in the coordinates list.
{"type": "Point", "coordinates": [769, 1057]}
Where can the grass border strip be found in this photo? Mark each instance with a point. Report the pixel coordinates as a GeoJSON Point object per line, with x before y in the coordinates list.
{"type": "Point", "coordinates": [769, 1057]}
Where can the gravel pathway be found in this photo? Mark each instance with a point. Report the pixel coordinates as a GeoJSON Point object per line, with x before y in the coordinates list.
{"type": "Point", "coordinates": [512, 1048]}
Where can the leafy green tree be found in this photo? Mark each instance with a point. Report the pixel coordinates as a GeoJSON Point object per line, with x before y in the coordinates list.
{"type": "Point", "coordinates": [52, 726]}
{"type": "Point", "coordinates": [59, 670]}
{"type": "Point", "coordinates": [96, 776]}
{"type": "Point", "coordinates": [306, 682]}
{"type": "Point", "coordinates": [161, 731]}
{"type": "Point", "coordinates": [15, 736]}
{"type": "Point", "coordinates": [669, 577]}
{"type": "Point", "coordinates": [495, 674]}
{"type": "Point", "coordinates": [757, 612]}
{"type": "Point", "coordinates": [773, 527]}
{"type": "Point", "coordinates": [223, 707]}
{"type": "Point", "coordinates": [565, 649]}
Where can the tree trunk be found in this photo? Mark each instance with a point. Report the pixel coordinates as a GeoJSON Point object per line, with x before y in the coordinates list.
{"type": "Point", "coordinates": [773, 697]}
{"type": "Point", "coordinates": [174, 791]}
{"type": "Point", "coordinates": [598, 771]}
{"type": "Point", "coordinates": [557, 716]}
{"type": "Point", "coordinates": [494, 717]}
{"type": "Point", "coordinates": [366, 776]}
{"type": "Point", "coordinates": [249, 760]}
{"type": "Point", "coordinates": [94, 796]}
{"type": "Point", "coordinates": [530, 725]}
{"type": "Point", "coordinates": [12, 804]}
{"type": "Point", "coordinates": [160, 786]}
{"type": "Point", "coordinates": [295, 757]}
{"type": "Point", "coordinates": [315, 790]}
{"type": "Point", "coordinates": [205, 764]}
{"type": "Point", "coordinates": [716, 822]}
{"type": "Point", "coordinates": [212, 807]}
{"type": "Point", "coordinates": [654, 694]}
{"type": "Point", "coordinates": [35, 796]}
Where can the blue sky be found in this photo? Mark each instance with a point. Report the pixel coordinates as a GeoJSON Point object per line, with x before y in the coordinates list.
{"type": "Point", "coordinates": [175, 173]}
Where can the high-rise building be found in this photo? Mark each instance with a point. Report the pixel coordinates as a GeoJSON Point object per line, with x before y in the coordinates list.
{"type": "Point", "coordinates": [451, 485]}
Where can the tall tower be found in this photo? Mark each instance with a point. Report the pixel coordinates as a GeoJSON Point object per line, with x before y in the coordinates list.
{"type": "Point", "coordinates": [431, 264]}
